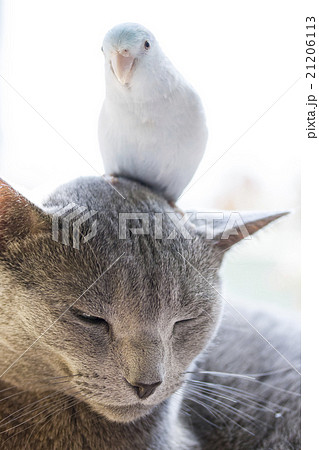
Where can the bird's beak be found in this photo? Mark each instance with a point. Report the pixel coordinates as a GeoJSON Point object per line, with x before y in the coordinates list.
{"type": "Point", "coordinates": [122, 66]}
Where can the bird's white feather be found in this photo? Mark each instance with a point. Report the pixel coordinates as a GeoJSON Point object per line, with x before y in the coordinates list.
{"type": "Point", "coordinates": [151, 128]}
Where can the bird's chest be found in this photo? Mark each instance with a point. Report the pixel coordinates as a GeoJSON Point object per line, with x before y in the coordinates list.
{"type": "Point", "coordinates": [141, 115]}
{"type": "Point", "coordinates": [135, 123]}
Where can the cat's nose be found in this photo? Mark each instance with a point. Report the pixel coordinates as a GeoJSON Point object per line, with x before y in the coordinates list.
{"type": "Point", "coordinates": [144, 390]}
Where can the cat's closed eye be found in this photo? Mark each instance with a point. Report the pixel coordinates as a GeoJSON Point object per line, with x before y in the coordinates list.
{"type": "Point", "coordinates": [89, 319]}
{"type": "Point", "coordinates": [183, 323]}
{"type": "Point", "coordinates": [180, 324]}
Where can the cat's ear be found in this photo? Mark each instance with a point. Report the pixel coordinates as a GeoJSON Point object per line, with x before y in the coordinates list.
{"type": "Point", "coordinates": [19, 218]}
{"type": "Point", "coordinates": [227, 228]}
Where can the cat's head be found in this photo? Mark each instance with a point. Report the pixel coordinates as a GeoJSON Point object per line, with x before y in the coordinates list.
{"type": "Point", "coordinates": [120, 319]}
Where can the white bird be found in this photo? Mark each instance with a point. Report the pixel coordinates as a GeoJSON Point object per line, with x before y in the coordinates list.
{"type": "Point", "coordinates": [152, 125]}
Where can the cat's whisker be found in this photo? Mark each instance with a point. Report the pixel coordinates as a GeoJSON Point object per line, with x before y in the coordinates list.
{"type": "Point", "coordinates": [40, 380]}
{"type": "Point", "coordinates": [8, 389]}
{"type": "Point", "coordinates": [230, 388]}
{"type": "Point", "coordinates": [26, 390]}
{"type": "Point", "coordinates": [214, 412]}
{"type": "Point", "coordinates": [13, 395]}
{"type": "Point", "coordinates": [238, 392]}
{"type": "Point", "coordinates": [26, 428]}
{"type": "Point", "coordinates": [31, 418]}
{"type": "Point", "coordinates": [222, 374]}
{"type": "Point", "coordinates": [254, 375]}
{"type": "Point", "coordinates": [25, 407]}
{"type": "Point", "coordinates": [57, 411]}
{"type": "Point", "coordinates": [249, 403]}
{"type": "Point", "coordinates": [256, 398]}
{"type": "Point", "coordinates": [273, 372]}
{"type": "Point", "coordinates": [209, 408]}
{"type": "Point", "coordinates": [20, 424]}
{"type": "Point", "coordinates": [213, 399]}
{"type": "Point", "coordinates": [203, 391]}
{"type": "Point", "coordinates": [62, 376]}
{"type": "Point", "coordinates": [56, 393]}
{"type": "Point", "coordinates": [238, 412]}
{"type": "Point", "coordinates": [183, 405]}
{"type": "Point", "coordinates": [227, 406]}
{"type": "Point", "coordinates": [202, 417]}
{"type": "Point", "coordinates": [59, 382]}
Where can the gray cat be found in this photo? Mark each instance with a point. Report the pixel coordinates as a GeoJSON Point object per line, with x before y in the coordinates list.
{"type": "Point", "coordinates": [123, 344]}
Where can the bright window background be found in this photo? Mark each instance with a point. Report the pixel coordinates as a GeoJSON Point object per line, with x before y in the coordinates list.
{"type": "Point", "coordinates": [240, 56]}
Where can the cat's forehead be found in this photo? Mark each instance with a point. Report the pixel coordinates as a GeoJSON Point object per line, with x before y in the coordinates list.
{"type": "Point", "coordinates": [128, 269]}
{"type": "Point", "coordinates": [141, 273]}
{"type": "Point", "coordinates": [138, 274]}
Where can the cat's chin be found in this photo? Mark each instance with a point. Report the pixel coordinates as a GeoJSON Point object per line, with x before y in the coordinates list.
{"type": "Point", "coordinates": [123, 414]}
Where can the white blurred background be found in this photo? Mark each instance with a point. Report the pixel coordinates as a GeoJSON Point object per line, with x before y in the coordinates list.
{"type": "Point", "coordinates": [246, 61]}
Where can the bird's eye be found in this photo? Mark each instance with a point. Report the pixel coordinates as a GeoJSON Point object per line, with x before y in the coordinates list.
{"type": "Point", "coordinates": [102, 49]}
{"type": "Point", "coordinates": [147, 45]}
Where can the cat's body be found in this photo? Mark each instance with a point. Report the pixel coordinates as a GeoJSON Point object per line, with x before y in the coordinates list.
{"type": "Point", "coordinates": [238, 349]}
{"type": "Point", "coordinates": [72, 382]}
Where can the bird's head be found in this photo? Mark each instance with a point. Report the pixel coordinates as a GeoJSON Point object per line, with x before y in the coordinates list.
{"type": "Point", "coordinates": [129, 48]}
